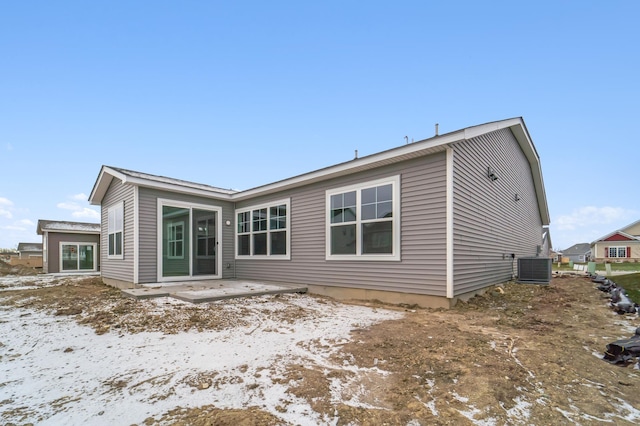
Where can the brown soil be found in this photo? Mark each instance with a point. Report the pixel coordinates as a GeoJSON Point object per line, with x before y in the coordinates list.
{"type": "Point", "coordinates": [6, 269]}
{"type": "Point", "coordinates": [539, 344]}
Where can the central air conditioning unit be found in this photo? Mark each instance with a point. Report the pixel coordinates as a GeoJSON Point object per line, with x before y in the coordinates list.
{"type": "Point", "coordinates": [534, 270]}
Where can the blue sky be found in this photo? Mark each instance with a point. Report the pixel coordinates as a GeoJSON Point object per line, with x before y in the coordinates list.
{"type": "Point", "coordinates": [240, 94]}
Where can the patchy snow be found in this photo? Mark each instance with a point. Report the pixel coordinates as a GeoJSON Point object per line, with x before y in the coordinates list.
{"type": "Point", "coordinates": [55, 371]}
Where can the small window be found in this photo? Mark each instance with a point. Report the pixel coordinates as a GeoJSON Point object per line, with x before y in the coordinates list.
{"type": "Point", "coordinates": [263, 231]}
{"type": "Point", "coordinates": [175, 240]}
{"type": "Point", "coordinates": [363, 221]}
{"type": "Point", "coordinates": [115, 230]}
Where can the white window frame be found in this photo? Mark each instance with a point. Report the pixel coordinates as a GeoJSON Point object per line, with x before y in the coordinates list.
{"type": "Point", "coordinates": [617, 249]}
{"type": "Point", "coordinates": [160, 203]}
{"type": "Point", "coordinates": [113, 229]}
{"type": "Point", "coordinates": [171, 231]}
{"type": "Point", "coordinates": [250, 209]}
{"type": "Point", "coordinates": [78, 244]}
{"type": "Point", "coordinates": [395, 221]}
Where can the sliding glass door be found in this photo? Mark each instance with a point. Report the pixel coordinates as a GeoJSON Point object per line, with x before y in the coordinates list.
{"type": "Point", "coordinates": [189, 241]}
{"type": "Point", "coordinates": [78, 257]}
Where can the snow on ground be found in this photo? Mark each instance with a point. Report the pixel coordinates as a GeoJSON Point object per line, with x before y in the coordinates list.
{"type": "Point", "coordinates": [54, 371]}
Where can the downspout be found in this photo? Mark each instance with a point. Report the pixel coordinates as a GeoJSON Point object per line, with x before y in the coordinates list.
{"type": "Point", "coordinates": [449, 223]}
{"type": "Point", "coordinates": [136, 236]}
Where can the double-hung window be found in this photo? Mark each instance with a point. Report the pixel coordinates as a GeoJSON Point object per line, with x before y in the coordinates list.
{"type": "Point", "coordinates": [115, 230]}
{"type": "Point", "coordinates": [264, 230]}
{"type": "Point", "coordinates": [363, 221]}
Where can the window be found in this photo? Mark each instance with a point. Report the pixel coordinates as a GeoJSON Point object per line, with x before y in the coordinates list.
{"type": "Point", "coordinates": [363, 221]}
{"type": "Point", "coordinates": [77, 257]}
{"type": "Point", "coordinates": [175, 240]}
{"type": "Point", "coordinates": [264, 230]}
{"type": "Point", "coordinates": [115, 228]}
{"type": "Point", "coordinates": [617, 251]}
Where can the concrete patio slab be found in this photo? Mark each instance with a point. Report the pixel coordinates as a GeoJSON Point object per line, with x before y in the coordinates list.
{"type": "Point", "coordinates": [208, 291]}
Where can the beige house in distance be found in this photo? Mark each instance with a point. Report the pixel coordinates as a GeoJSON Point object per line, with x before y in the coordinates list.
{"type": "Point", "coordinates": [622, 245]}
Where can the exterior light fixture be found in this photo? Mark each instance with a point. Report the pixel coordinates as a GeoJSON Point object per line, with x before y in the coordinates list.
{"type": "Point", "coordinates": [492, 174]}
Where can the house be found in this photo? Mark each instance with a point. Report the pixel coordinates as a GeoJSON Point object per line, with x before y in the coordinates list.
{"type": "Point", "coordinates": [579, 253]}
{"type": "Point", "coordinates": [622, 245]}
{"type": "Point", "coordinates": [29, 254]}
{"type": "Point", "coordinates": [69, 246]}
{"type": "Point", "coordinates": [426, 223]}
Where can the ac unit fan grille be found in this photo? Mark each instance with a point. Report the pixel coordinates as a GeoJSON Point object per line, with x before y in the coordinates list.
{"type": "Point", "coordinates": [534, 270]}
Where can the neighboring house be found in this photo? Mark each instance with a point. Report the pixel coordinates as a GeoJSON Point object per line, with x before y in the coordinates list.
{"type": "Point", "coordinates": [622, 245]}
{"type": "Point", "coordinates": [579, 253]}
{"type": "Point", "coordinates": [69, 246]}
{"type": "Point", "coordinates": [29, 254]}
{"type": "Point", "coordinates": [29, 250]}
{"type": "Point", "coordinates": [425, 223]}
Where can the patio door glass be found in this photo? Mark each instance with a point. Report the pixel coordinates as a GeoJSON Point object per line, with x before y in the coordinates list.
{"type": "Point", "coordinates": [204, 242]}
{"type": "Point", "coordinates": [78, 257]}
{"type": "Point", "coordinates": [189, 242]}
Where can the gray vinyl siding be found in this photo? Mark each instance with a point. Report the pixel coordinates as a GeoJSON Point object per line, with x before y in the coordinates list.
{"type": "Point", "coordinates": [53, 247]}
{"type": "Point", "coordinates": [148, 232]}
{"type": "Point", "coordinates": [421, 269]}
{"type": "Point", "coordinates": [488, 223]}
{"type": "Point", "coordinates": [118, 269]}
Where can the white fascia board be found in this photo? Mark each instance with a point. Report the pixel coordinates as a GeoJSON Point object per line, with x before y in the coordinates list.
{"type": "Point", "coordinates": [526, 144]}
{"type": "Point", "coordinates": [100, 187]}
{"type": "Point", "coordinates": [107, 174]}
{"type": "Point", "coordinates": [62, 231]}
{"type": "Point", "coordinates": [177, 188]}
{"type": "Point", "coordinates": [624, 234]}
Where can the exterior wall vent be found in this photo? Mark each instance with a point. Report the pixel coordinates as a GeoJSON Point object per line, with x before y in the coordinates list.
{"type": "Point", "coordinates": [534, 270]}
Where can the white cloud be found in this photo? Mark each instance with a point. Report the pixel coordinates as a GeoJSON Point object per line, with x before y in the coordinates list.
{"type": "Point", "coordinates": [27, 222]}
{"type": "Point", "coordinates": [80, 197]}
{"type": "Point", "coordinates": [79, 211]}
{"type": "Point", "coordinates": [14, 228]}
{"type": "Point", "coordinates": [590, 216]}
{"type": "Point", "coordinates": [5, 205]}
{"type": "Point", "coordinates": [86, 213]}
{"type": "Point", "coordinates": [588, 223]}
{"type": "Point", "coordinates": [68, 206]}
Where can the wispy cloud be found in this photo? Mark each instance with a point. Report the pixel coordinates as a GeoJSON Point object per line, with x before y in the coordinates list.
{"type": "Point", "coordinates": [78, 210]}
{"type": "Point", "coordinates": [86, 213]}
{"type": "Point", "coordinates": [5, 205]}
{"type": "Point", "coordinates": [15, 228]}
{"type": "Point", "coordinates": [9, 147]}
{"type": "Point", "coordinates": [589, 216]}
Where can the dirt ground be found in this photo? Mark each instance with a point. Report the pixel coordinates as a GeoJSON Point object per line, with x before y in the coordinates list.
{"type": "Point", "coordinates": [517, 349]}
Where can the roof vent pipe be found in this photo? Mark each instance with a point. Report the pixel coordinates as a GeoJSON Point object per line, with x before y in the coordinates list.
{"type": "Point", "coordinates": [406, 139]}
{"type": "Point", "coordinates": [436, 129]}
{"type": "Point", "coordinates": [356, 157]}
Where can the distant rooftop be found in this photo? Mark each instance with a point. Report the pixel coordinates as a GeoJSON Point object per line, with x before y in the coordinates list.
{"type": "Point", "coordinates": [65, 226]}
